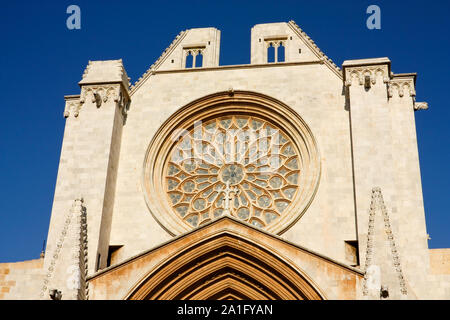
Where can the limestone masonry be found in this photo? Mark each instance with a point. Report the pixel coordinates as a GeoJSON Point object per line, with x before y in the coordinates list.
{"type": "Point", "coordinates": [287, 178]}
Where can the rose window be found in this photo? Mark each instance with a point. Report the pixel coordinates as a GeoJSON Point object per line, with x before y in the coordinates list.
{"type": "Point", "coordinates": [239, 165]}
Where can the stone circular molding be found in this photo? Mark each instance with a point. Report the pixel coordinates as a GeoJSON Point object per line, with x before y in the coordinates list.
{"type": "Point", "coordinates": [241, 154]}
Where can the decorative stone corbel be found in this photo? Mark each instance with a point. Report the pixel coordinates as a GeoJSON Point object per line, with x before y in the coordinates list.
{"type": "Point", "coordinates": [420, 106]}
{"type": "Point", "coordinates": [97, 99]}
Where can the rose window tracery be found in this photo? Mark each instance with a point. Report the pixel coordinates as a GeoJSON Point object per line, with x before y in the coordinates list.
{"type": "Point", "coordinates": [240, 165]}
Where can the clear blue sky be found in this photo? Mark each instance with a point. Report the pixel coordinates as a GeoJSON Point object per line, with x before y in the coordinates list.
{"type": "Point", "coordinates": [41, 61]}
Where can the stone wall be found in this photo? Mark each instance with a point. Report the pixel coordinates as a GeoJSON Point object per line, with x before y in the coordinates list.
{"type": "Point", "coordinates": [440, 261]}
{"type": "Point", "coordinates": [362, 119]}
{"type": "Point", "coordinates": [21, 280]}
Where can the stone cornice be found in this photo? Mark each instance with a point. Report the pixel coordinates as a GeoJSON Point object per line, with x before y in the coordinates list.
{"type": "Point", "coordinates": [106, 90]}
{"type": "Point", "coordinates": [366, 71]}
{"type": "Point", "coordinates": [99, 93]}
{"type": "Point", "coordinates": [230, 67]}
{"type": "Point", "coordinates": [366, 62]}
{"type": "Point", "coordinates": [401, 85]}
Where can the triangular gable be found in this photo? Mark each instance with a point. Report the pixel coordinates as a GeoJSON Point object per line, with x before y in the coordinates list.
{"type": "Point", "coordinates": [207, 40]}
{"type": "Point", "coordinates": [163, 57]}
{"type": "Point", "coordinates": [114, 282]}
{"type": "Point", "coordinates": [315, 49]}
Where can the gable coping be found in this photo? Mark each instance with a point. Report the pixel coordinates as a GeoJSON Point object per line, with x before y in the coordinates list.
{"type": "Point", "coordinates": [159, 61]}
{"type": "Point", "coordinates": [233, 219]}
{"type": "Point", "coordinates": [315, 49]}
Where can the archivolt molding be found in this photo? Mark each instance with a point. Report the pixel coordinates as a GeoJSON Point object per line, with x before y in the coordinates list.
{"type": "Point", "coordinates": [221, 266]}
{"type": "Point", "coordinates": [218, 105]}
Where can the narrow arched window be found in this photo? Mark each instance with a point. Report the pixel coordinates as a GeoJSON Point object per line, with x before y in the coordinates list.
{"type": "Point", "coordinates": [189, 60]}
{"type": "Point", "coordinates": [281, 52]}
{"type": "Point", "coordinates": [199, 60]}
{"type": "Point", "coordinates": [271, 53]}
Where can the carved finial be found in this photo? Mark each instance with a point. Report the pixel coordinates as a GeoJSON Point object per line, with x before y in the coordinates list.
{"type": "Point", "coordinates": [42, 255]}
{"type": "Point", "coordinates": [230, 91]}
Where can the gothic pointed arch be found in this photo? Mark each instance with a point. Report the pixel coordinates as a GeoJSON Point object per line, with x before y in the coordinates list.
{"type": "Point", "coordinates": [225, 266]}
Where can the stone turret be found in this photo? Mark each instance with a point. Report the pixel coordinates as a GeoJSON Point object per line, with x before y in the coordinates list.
{"type": "Point", "coordinates": [89, 159]}
{"type": "Point", "coordinates": [385, 155]}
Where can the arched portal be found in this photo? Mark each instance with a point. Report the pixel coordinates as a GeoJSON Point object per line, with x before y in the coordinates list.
{"type": "Point", "coordinates": [225, 266]}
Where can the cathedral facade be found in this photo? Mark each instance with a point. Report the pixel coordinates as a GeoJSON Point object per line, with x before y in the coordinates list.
{"type": "Point", "coordinates": [286, 178]}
